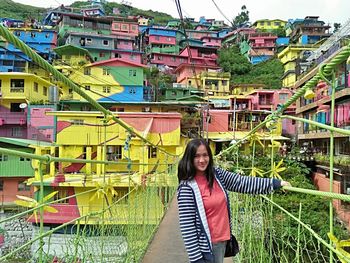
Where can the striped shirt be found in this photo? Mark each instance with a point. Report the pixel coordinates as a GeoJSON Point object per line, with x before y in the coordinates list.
{"type": "Point", "coordinates": [193, 222]}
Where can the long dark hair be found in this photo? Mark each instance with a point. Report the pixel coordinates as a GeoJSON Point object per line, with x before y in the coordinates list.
{"type": "Point", "coordinates": [186, 169]}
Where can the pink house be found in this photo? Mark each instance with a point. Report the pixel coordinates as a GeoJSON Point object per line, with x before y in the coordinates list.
{"type": "Point", "coordinates": [128, 55]}
{"type": "Point", "coordinates": [270, 100]}
{"type": "Point", "coordinates": [185, 71]}
{"type": "Point", "coordinates": [201, 55]}
{"type": "Point", "coordinates": [211, 41]}
{"type": "Point", "coordinates": [40, 126]}
{"type": "Point", "coordinates": [157, 39]}
{"type": "Point", "coordinates": [169, 60]}
{"type": "Point", "coordinates": [262, 44]}
{"type": "Point", "coordinates": [125, 28]}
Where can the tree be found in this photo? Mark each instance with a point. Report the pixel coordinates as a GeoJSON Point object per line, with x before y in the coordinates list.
{"type": "Point", "coordinates": [231, 60]}
{"type": "Point", "coordinates": [242, 71]}
{"type": "Point", "coordinates": [241, 19]}
{"type": "Point", "coordinates": [336, 27]}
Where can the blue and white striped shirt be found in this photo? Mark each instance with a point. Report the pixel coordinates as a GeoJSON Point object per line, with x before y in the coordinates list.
{"type": "Point", "coordinates": [193, 222]}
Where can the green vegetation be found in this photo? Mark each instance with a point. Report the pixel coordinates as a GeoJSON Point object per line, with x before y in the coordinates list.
{"type": "Point", "coordinates": [241, 19]}
{"type": "Point", "coordinates": [242, 71]}
{"type": "Point", "coordinates": [10, 9]}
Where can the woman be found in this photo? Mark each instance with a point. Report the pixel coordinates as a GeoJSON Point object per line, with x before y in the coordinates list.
{"type": "Point", "coordinates": [204, 212]}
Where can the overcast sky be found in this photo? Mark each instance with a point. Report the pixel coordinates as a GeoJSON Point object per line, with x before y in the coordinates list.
{"type": "Point", "coordinates": [329, 11]}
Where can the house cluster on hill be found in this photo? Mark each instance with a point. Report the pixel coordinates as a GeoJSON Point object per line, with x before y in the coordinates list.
{"type": "Point", "coordinates": [119, 62]}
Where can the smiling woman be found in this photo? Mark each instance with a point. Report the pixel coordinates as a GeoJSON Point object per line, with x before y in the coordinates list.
{"type": "Point", "coordinates": [204, 210]}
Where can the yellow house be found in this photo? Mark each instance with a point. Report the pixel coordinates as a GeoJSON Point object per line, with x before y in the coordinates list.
{"type": "Point", "coordinates": [19, 87]}
{"type": "Point", "coordinates": [245, 89]}
{"type": "Point", "coordinates": [267, 24]}
{"type": "Point", "coordinates": [216, 84]}
{"type": "Point", "coordinates": [131, 163]}
{"type": "Point", "coordinates": [161, 129]}
{"type": "Point", "coordinates": [290, 57]}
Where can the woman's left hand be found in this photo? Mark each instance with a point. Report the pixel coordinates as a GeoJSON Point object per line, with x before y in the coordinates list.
{"type": "Point", "coordinates": [285, 183]}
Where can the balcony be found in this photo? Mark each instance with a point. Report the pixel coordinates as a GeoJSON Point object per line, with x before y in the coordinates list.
{"type": "Point", "coordinates": [266, 102]}
{"type": "Point", "coordinates": [14, 118]}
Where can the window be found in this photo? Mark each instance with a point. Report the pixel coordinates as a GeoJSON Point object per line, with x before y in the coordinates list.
{"type": "Point", "coordinates": [87, 71]}
{"type": "Point", "coordinates": [22, 186]}
{"type": "Point", "coordinates": [160, 57]}
{"type": "Point", "coordinates": [1, 185]}
{"type": "Point", "coordinates": [173, 59]}
{"type": "Point", "coordinates": [16, 132]}
{"type": "Point", "coordinates": [132, 73]}
{"type": "Point", "coordinates": [61, 193]}
{"type": "Point", "coordinates": [114, 152]}
{"type": "Point", "coordinates": [122, 197]}
{"type": "Point", "coordinates": [106, 89]}
{"type": "Point", "coordinates": [105, 42]}
{"type": "Point", "coordinates": [17, 85]}
{"type": "Point", "coordinates": [152, 152]}
{"type": "Point", "coordinates": [132, 91]}
{"type": "Point", "coordinates": [283, 96]}
{"type": "Point", "coordinates": [45, 91]}
{"type": "Point", "coordinates": [22, 159]}
{"type": "Point", "coordinates": [132, 57]}
{"type": "Point", "coordinates": [105, 71]}
{"type": "Point", "coordinates": [36, 87]}
{"type": "Point", "coordinates": [77, 122]}
{"type": "Point", "coordinates": [3, 157]}
{"type": "Point", "coordinates": [146, 109]}
{"type": "Point", "coordinates": [88, 41]}
{"type": "Point", "coordinates": [157, 37]}
{"type": "Point", "coordinates": [124, 27]}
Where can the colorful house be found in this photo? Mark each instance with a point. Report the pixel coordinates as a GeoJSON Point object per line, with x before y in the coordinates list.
{"type": "Point", "coordinates": [224, 126]}
{"type": "Point", "coordinates": [99, 46]}
{"type": "Point", "coordinates": [160, 40]}
{"type": "Point", "coordinates": [185, 72]}
{"type": "Point", "coordinates": [18, 90]}
{"type": "Point", "coordinates": [15, 171]}
{"type": "Point", "coordinates": [113, 80]}
{"type": "Point", "coordinates": [292, 58]}
{"type": "Point", "coordinates": [70, 22]}
{"type": "Point", "coordinates": [263, 46]}
{"type": "Point", "coordinates": [269, 25]}
{"type": "Point", "coordinates": [128, 154]}
{"type": "Point", "coordinates": [308, 31]}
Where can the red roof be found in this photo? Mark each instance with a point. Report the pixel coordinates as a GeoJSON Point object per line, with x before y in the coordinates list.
{"type": "Point", "coordinates": [117, 62]}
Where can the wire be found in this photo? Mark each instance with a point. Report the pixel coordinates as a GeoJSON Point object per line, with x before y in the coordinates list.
{"type": "Point", "coordinates": [228, 20]}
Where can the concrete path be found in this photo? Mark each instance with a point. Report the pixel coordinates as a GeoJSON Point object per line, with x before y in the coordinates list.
{"type": "Point", "coordinates": [167, 244]}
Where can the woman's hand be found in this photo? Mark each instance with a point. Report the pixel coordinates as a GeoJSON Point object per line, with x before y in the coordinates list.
{"type": "Point", "coordinates": [285, 183]}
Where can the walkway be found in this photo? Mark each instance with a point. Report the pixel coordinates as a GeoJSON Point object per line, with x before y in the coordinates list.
{"type": "Point", "coordinates": [167, 245]}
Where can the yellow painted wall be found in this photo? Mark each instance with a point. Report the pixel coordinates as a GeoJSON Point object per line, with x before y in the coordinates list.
{"type": "Point", "coordinates": [28, 92]}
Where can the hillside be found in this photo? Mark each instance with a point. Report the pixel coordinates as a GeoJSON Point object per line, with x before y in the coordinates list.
{"type": "Point", "coordinates": [11, 9]}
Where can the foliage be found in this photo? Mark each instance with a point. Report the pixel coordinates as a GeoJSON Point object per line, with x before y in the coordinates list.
{"type": "Point", "coordinates": [231, 60]}
{"type": "Point", "coordinates": [336, 26]}
{"type": "Point", "coordinates": [242, 71]}
{"type": "Point", "coordinates": [241, 19]}
{"type": "Point", "coordinates": [315, 210]}
{"type": "Point", "coordinates": [10, 9]}
{"type": "Point", "coordinates": [126, 10]}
